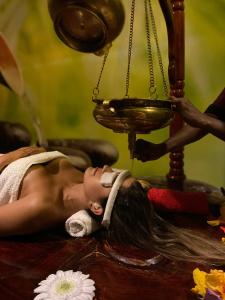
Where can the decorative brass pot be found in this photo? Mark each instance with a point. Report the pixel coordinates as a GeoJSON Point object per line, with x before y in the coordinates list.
{"type": "Point", "coordinates": [133, 115]}
{"type": "Point", "coordinates": [87, 25]}
{"type": "Point", "coordinates": [10, 74]}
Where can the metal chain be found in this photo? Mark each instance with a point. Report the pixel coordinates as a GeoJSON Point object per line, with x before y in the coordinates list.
{"type": "Point", "coordinates": [152, 88]}
{"type": "Point", "coordinates": [130, 47]}
{"type": "Point", "coordinates": [158, 48]}
{"type": "Point", "coordinates": [96, 89]}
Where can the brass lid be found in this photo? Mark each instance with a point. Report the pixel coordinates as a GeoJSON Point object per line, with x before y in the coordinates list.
{"type": "Point", "coordinates": [87, 25]}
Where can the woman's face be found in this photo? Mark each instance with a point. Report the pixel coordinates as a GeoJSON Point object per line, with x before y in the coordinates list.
{"type": "Point", "coordinates": [93, 188]}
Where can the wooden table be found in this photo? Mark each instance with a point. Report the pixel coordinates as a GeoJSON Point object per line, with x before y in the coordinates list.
{"type": "Point", "coordinates": [25, 261]}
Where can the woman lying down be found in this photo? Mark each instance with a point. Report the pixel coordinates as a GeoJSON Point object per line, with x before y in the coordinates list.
{"type": "Point", "coordinates": [40, 190]}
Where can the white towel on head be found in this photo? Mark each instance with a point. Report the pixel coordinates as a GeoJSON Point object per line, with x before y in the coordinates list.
{"type": "Point", "coordinates": [81, 224]}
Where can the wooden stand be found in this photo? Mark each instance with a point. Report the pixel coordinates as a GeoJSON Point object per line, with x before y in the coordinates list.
{"type": "Point", "coordinates": [173, 11]}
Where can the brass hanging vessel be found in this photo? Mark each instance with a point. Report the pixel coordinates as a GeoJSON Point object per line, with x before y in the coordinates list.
{"type": "Point", "coordinates": [87, 25]}
{"type": "Point", "coordinates": [130, 114]}
{"type": "Point", "coordinates": [133, 114]}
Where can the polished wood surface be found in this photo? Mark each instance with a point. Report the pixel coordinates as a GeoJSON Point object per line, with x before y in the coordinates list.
{"type": "Point", "coordinates": [25, 261]}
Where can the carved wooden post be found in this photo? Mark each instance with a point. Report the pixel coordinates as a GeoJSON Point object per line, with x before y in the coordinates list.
{"type": "Point", "coordinates": [176, 174]}
{"type": "Point", "coordinates": [173, 11]}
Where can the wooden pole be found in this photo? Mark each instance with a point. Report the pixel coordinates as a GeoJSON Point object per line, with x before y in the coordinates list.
{"type": "Point", "coordinates": [176, 174]}
{"type": "Point", "coordinates": [173, 11]}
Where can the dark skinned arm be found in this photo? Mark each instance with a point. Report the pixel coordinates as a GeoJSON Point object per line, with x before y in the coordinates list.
{"type": "Point", "coordinates": [193, 117]}
{"type": "Point", "coordinates": [198, 125]}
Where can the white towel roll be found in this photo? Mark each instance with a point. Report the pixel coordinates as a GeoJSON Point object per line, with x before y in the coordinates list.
{"type": "Point", "coordinates": [81, 224]}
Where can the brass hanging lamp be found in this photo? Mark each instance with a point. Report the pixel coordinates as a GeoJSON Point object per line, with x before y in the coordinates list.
{"type": "Point", "coordinates": [130, 114]}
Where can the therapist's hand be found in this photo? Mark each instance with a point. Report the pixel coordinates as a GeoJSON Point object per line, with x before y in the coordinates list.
{"type": "Point", "coordinates": [145, 151]}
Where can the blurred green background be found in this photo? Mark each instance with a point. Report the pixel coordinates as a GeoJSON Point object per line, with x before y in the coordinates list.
{"type": "Point", "coordinates": [60, 81]}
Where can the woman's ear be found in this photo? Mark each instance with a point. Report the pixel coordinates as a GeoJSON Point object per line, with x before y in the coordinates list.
{"type": "Point", "coordinates": [96, 208]}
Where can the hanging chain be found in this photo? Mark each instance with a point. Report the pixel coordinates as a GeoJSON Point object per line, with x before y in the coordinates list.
{"type": "Point", "coordinates": [152, 87]}
{"type": "Point", "coordinates": [158, 48]}
{"type": "Point", "coordinates": [96, 89]}
{"type": "Point", "coordinates": [130, 47]}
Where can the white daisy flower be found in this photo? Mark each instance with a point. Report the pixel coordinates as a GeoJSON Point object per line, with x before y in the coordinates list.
{"type": "Point", "coordinates": [67, 285]}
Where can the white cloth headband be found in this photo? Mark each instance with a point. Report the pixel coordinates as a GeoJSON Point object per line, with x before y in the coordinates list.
{"type": "Point", "coordinates": [112, 197]}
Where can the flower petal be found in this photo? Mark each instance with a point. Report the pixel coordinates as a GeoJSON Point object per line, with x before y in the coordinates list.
{"type": "Point", "coordinates": [41, 289]}
{"type": "Point", "coordinates": [51, 277]}
{"type": "Point", "coordinates": [88, 282]}
{"type": "Point", "coordinates": [214, 223]}
{"type": "Point", "coordinates": [215, 280]}
{"type": "Point", "coordinates": [69, 273]}
{"type": "Point", "coordinates": [84, 297]}
{"type": "Point", "coordinates": [59, 273]}
{"type": "Point", "coordinates": [42, 296]}
{"type": "Point", "coordinates": [88, 289]}
{"type": "Point", "coordinates": [84, 277]}
{"type": "Point", "coordinates": [199, 279]}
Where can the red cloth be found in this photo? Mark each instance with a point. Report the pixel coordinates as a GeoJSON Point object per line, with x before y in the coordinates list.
{"type": "Point", "coordinates": [222, 228]}
{"type": "Point", "coordinates": [179, 201]}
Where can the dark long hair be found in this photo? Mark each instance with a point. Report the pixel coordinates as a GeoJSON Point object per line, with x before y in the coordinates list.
{"type": "Point", "coordinates": [134, 222]}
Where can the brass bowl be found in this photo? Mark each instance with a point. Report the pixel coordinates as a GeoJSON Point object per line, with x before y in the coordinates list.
{"type": "Point", "coordinates": [133, 115]}
{"type": "Point", "coordinates": [87, 25]}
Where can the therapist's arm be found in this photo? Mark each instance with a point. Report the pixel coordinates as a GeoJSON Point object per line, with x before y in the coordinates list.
{"type": "Point", "coordinates": [208, 123]}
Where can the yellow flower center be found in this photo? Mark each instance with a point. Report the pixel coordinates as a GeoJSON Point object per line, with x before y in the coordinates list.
{"type": "Point", "coordinates": [64, 287]}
